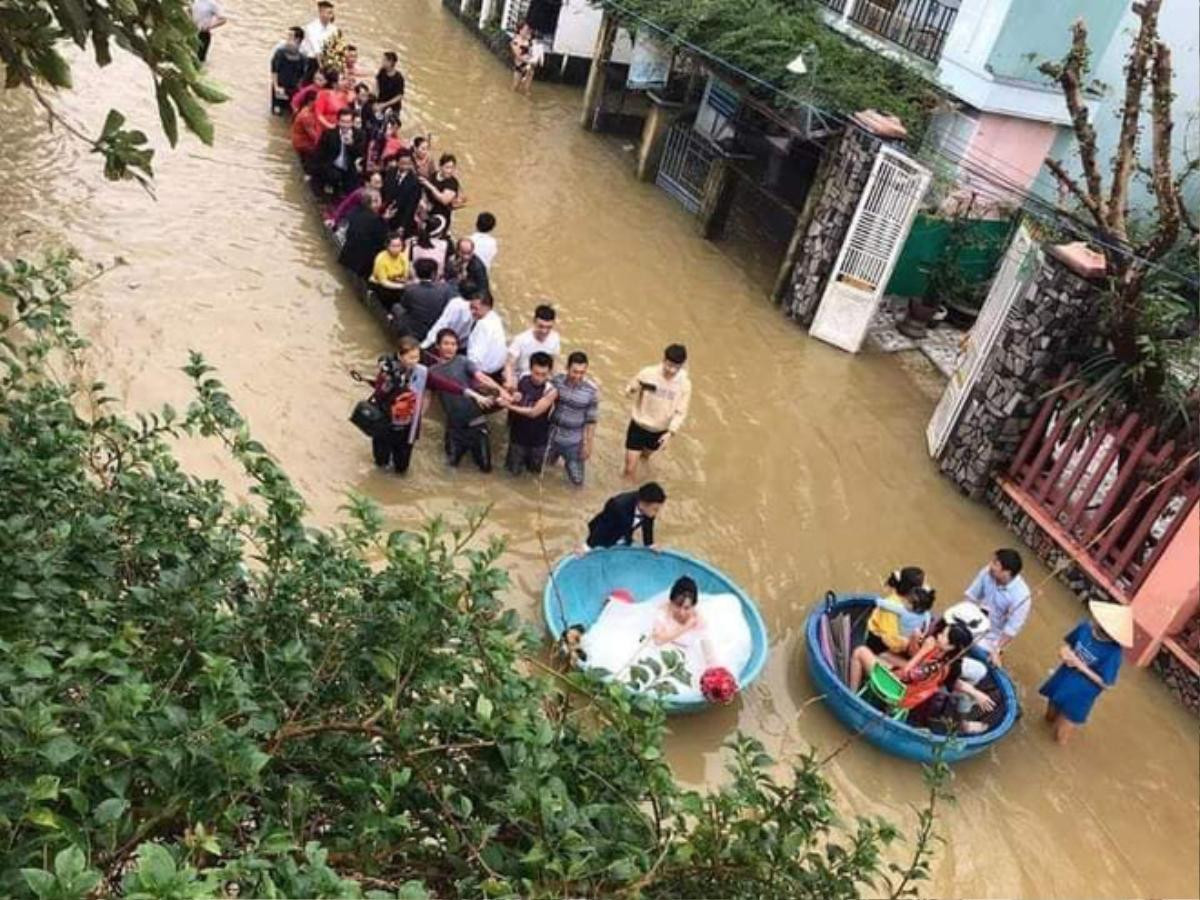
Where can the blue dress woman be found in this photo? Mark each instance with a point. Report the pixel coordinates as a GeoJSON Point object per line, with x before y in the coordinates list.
{"type": "Point", "coordinates": [1091, 659]}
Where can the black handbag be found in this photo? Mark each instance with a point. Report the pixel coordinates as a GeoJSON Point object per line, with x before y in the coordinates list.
{"type": "Point", "coordinates": [368, 418]}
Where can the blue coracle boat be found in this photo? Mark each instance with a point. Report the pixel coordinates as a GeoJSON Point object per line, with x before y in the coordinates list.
{"type": "Point", "coordinates": [861, 717]}
{"type": "Point", "coordinates": [584, 583]}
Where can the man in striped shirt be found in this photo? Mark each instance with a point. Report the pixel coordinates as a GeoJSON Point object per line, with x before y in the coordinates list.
{"type": "Point", "coordinates": [574, 419]}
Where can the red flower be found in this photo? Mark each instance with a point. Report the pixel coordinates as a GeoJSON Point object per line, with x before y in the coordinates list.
{"type": "Point", "coordinates": [718, 685]}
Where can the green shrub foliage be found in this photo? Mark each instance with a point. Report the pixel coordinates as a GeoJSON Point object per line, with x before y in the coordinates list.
{"type": "Point", "coordinates": [207, 698]}
{"type": "Point", "coordinates": [762, 36]}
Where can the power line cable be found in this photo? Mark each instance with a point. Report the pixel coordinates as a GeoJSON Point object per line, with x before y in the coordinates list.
{"type": "Point", "coordinates": [961, 160]}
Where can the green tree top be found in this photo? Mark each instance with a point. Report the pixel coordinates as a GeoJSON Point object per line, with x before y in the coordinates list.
{"type": "Point", "coordinates": [159, 32]}
{"type": "Point", "coordinates": [197, 696]}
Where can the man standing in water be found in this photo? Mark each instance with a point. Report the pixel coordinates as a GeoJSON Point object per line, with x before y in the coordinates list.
{"type": "Point", "coordinates": [208, 17]}
{"type": "Point", "coordinates": [389, 85]}
{"type": "Point", "coordinates": [541, 338]}
{"type": "Point", "coordinates": [288, 68]}
{"type": "Point", "coordinates": [661, 397]}
{"type": "Point", "coordinates": [466, 422]}
{"type": "Point", "coordinates": [529, 416]}
{"type": "Point", "coordinates": [574, 417]}
{"type": "Point", "coordinates": [487, 346]}
{"type": "Point", "coordinates": [626, 514]}
{"type": "Point", "coordinates": [1002, 594]}
{"type": "Point", "coordinates": [317, 32]}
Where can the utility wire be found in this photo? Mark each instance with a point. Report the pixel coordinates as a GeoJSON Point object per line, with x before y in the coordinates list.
{"type": "Point", "coordinates": [1030, 202]}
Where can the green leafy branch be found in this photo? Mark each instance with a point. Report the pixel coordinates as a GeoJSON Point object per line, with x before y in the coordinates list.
{"type": "Point", "coordinates": [159, 32]}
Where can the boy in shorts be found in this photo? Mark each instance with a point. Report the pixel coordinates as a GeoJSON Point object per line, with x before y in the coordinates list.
{"type": "Point", "coordinates": [661, 396]}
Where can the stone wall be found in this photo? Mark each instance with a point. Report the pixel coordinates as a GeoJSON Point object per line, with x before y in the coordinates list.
{"type": "Point", "coordinates": [845, 173]}
{"type": "Point", "coordinates": [1055, 312]}
{"type": "Point", "coordinates": [1180, 680]}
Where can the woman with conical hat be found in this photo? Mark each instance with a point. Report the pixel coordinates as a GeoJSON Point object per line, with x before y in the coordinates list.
{"type": "Point", "coordinates": [1091, 658]}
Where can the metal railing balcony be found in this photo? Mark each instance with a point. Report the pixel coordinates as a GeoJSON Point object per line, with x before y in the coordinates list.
{"type": "Point", "coordinates": [920, 26]}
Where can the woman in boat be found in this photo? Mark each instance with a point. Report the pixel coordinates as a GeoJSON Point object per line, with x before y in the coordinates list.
{"type": "Point", "coordinates": [1091, 659]}
{"type": "Point", "coordinates": [429, 244]}
{"type": "Point", "coordinates": [937, 663]}
{"type": "Point", "coordinates": [386, 145]}
{"type": "Point", "coordinates": [311, 89]}
{"type": "Point", "coordinates": [364, 108]}
{"type": "Point", "coordinates": [901, 618]}
{"type": "Point", "coordinates": [342, 211]}
{"type": "Point", "coordinates": [332, 99]}
{"type": "Point", "coordinates": [680, 622]}
{"type": "Point", "coordinates": [934, 674]}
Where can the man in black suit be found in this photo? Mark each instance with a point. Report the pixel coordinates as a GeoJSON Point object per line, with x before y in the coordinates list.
{"type": "Point", "coordinates": [625, 514]}
{"type": "Point", "coordinates": [402, 193]}
{"type": "Point", "coordinates": [338, 154]}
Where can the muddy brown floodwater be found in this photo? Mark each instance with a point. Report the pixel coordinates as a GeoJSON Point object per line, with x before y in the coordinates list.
{"type": "Point", "coordinates": [801, 468]}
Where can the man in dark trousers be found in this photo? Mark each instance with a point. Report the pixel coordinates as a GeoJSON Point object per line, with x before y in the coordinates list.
{"type": "Point", "coordinates": [625, 514]}
{"type": "Point", "coordinates": [402, 194]}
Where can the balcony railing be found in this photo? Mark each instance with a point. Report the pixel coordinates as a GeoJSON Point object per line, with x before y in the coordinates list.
{"type": "Point", "coordinates": [920, 26]}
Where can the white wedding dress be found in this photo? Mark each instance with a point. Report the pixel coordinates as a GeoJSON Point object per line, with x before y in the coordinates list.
{"type": "Point", "coordinates": [620, 639]}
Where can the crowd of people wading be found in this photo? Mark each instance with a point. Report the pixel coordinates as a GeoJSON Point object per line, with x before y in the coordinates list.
{"type": "Point", "coordinates": [393, 204]}
{"type": "Point", "coordinates": [390, 201]}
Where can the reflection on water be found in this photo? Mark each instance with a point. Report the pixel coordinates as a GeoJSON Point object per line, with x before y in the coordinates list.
{"type": "Point", "coordinates": [801, 468]}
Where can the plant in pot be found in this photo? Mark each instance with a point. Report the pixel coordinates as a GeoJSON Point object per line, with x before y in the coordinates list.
{"type": "Point", "coordinates": [947, 284]}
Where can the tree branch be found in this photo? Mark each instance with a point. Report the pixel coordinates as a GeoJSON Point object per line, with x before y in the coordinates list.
{"type": "Point", "coordinates": [1060, 173]}
{"type": "Point", "coordinates": [1131, 110]}
{"type": "Point", "coordinates": [1161, 126]}
{"type": "Point", "coordinates": [1070, 76]}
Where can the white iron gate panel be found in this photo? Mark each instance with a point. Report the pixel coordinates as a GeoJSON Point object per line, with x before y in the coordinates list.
{"type": "Point", "coordinates": [686, 160]}
{"type": "Point", "coordinates": [873, 242]}
{"type": "Point", "coordinates": [1011, 278]}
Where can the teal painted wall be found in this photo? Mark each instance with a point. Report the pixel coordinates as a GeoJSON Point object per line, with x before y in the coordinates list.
{"type": "Point", "coordinates": [1038, 30]}
{"type": "Point", "coordinates": [1179, 25]}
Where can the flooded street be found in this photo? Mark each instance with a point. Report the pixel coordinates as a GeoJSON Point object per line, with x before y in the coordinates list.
{"type": "Point", "coordinates": [800, 469]}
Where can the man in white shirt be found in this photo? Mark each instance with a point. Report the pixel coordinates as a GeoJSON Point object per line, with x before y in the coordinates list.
{"type": "Point", "coordinates": [318, 31]}
{"type": "Point", "coordinates": [487, 346]}
{"type": "Point", "coordinates": [457, 317]}
{"type": "Point", "coordinates": [207, 16]}
{"type": "Point", "coordinates": [541, 338]}
{"type": "Point", "coordinates": [1004, 598]}
{"type": "Point", "coordinates": [486, 246]}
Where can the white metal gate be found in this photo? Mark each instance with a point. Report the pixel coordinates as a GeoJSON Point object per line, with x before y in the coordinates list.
{"type": "Point", "coordinates": [1014, 274]}
{"type": "Point", "coordinates": [683, 172]}
{"type": "Point", "coordinates": [873, 242]}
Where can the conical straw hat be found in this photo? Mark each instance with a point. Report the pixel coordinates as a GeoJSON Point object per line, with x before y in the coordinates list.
{"type": "Point", "coordinates": [1116, 619]}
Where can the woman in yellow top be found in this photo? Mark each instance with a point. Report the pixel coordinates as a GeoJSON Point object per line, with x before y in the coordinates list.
{"type": "Point", "coordinates": [661, 397]}
{"type": "Point", "coordinates": [389, 275]}
{"type": "Point", "coordinates": [901, 617]}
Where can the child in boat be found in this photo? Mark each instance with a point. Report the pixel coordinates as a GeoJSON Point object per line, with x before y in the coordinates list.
{"type": "Point", "coordinates": [901, 617]}
{"type": "Point", "coordinates": [1091, 659]}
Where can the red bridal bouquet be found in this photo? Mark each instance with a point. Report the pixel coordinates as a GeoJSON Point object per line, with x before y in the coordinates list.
{"type": "Point", "coordinates": [718, 685]}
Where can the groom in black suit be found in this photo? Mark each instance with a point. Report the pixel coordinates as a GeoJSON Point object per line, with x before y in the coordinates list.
{"type": "Point", "coordinates": [625, 514]}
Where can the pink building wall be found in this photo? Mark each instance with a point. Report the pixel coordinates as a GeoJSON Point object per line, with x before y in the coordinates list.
{"type": "Point", "coordinates": [1002, 159]}
{"type": "Point", "coordinates": [1170, 595]}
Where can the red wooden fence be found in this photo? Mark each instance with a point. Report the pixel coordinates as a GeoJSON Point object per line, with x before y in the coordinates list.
{"type": "Point", "coordinates": [1106, 491]}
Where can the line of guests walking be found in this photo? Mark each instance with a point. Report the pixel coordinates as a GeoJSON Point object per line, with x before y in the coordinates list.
{"type": "Point", "coordinates": [392, 210]}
